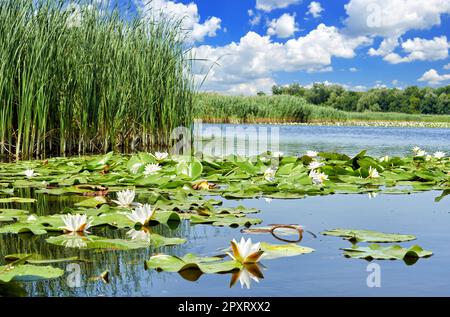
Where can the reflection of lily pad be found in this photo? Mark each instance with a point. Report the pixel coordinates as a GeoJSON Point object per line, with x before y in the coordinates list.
{"type": "Point", "coordinates": [94, 242]}
{"type": "Point", "coordinates": [377, 252]}
{"type": "Point", "coordinates": [368, 236]}
{"type": "Point", "coordinates": [209, 265]}
{"type": "Point", "coordinates": [28, 272]}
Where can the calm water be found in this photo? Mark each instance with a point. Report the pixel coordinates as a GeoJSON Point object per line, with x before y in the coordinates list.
{"type": "Point", "coordinates": [323, 273]}
{"type": "Point", "coordinates": [295, 140]}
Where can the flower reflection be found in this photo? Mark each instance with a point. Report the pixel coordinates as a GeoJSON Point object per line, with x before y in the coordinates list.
{"type": "Point", "coordinates": [75, 240]}
{"type": "Point", "coordinates": [249, 273]}
{"type": "Point", "coordinates": [142, 235]}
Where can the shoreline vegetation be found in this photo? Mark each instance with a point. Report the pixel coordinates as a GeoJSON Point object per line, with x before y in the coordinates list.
{"type": "Point", "coordinates": [291, 110]}
{"type": "Point", "coordinates": [78, 78]}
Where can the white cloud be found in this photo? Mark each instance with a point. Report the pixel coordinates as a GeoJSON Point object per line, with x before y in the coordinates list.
{"type": "Point", "coordinates": [255, 18]}
{"type": "Point", "coordinates": [421, 50]}
{"type": "Point", "coordinates": [196, 31]}
{"type": "Point", "coordinates": [250, 64]}
{"type": "Point", "coordinates": [269, 5]}
{"type": "Point", "coordinates": [283, 27]}
{"type": "Point", "coordinates": [353, 69]}
{"type": "Point", "coordinates": [447, 66]}
{"type": "Point", "coordinates": [432, 77]}
{"type": "Point", "coordinates": [315, 9]}
{"type": "Point", "coordinates": [391, 19]}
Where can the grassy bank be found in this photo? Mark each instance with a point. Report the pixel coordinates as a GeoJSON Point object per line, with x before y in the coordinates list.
{"type": "Point", "coordinates": [214, 108]}
{"type": "Point", "coordinates": [81, 79]}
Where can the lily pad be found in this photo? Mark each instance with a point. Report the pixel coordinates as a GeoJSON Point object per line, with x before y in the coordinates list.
{"type": "Point", "coordinates": [368, 236]}
{"type": "Point", "coordinates": [377, 252]}
{"type": "Point", "coordinates": [94, 242]}
{"type": "Point", "coordinates": [27, 272]}
{"type": "Point", "coordinates": [274, 251]}
{"type": "Point", "coordinates": [17, 200]}
{"type": "Point", "coordinates": [209, 265]}
{"type": "Point", "coordinates": [11, 214]}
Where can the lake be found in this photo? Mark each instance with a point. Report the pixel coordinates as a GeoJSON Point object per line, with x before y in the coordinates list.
{"type": "Point", "coordinates": [326, 272]}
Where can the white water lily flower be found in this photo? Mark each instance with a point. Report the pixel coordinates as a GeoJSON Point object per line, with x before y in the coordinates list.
{"type": "Point", "coordinates": [421, 153]}
{"type": "Point", "coordinates": [135, 168]}
{"type": "Point", "coordinates": [125, 198]}
{"type": "Point", "coordinates": [143, 235]}
{"type": "Point", "coordinates": [161, 156]}
{"type": "Point", "coordinates": [76, 223]}
{"type": "Point", "coordinates": [268, 200]}
{"type": "Point", "coordinates": [246, 252]}
{"type": "Point", "coordinates": [416, 149]}
{"type": "Point", "coordinates": [385, 159]}
{"type": "Point", "coordinates": [318, 178]}
{"type": "Point", "coordinates": [31, 218]}
{"type": "Point", "coordinates": [373, 173]}
{"type": "Point", "coordinates": [152, 169]}
{"type": "Point", "coordinates": [29, 173]}
{"type": "Point", "coordinates": [141, 215]}
{"type": "Point", "coordinates": [245, 278]}
{"type": "Point", "coordinates": [439, 155]}
{"type": "Point", "coordinates": [269, 174]}
{"type": "Point", "coordinates": [315, 165]}
{"type": "Point", "coordinates": [312, 154]}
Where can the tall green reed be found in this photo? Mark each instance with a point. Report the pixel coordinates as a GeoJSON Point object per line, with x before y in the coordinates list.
{"type": "Point", "coordinates": [80, 78]}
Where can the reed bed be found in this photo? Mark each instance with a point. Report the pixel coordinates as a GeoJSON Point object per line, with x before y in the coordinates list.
{"type": "Point", "coordinates": [214, 108]}
{"type": "Point", "coordinates": [79, 78]}
{"type": "Point", "coordinates": [261, 109]}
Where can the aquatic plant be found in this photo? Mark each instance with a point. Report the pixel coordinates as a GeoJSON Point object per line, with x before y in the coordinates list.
{"type": "Point", "coordinates": [83, 78]}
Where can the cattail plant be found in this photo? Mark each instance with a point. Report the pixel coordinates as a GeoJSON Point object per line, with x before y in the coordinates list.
{"type": "Point", "coordinates": [81, 77]}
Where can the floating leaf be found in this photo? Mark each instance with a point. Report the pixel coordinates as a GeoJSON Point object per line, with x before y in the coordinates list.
{"type": "Point", "coordinates": [28, 272]}
{"type": "Point", "coordinates": [92, 202]}
{"type": "Point", "coordinates": [17, 200]}
{"type": "Point", "coordinates": [274, 251]}
{"type": "Point", "coordinates": [11, 214]}
{"type": "Point", "coordinates": [94, 242]}
{"type": "Point", "coordinates": [225, 220]}
{"type": "Point", "coordinates": [368, 236]}
{"type": "Point", "coordinates": [209, 265]}
{"type": "Point", "coordinates": [396, 252]}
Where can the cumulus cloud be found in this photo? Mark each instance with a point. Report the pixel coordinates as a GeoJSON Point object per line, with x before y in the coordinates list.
{"type": "Point", "coordinates": [188, 13]}
{"type": "Point", "coordinates": [283, 27]}
{"type": "Point", "coordinates": [353, 69]}
{"type": "Point", "coordinates": [315, 9]}
{"type": "Point", "coordinates": [392, 19]}
{"type": "Point", "coordinates": [421, 50]}
{"type": "Point", "coordinates": [447, 66]}
{"type": "Point", "coordinates": [250, 62]}
{"type": "Point", "coordinates": [269, 5]}
{"type": "Point", "coordinates": [432, 77]}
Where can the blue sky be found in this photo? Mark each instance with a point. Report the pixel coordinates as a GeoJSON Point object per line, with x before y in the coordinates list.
{"type": "Point", "coordinates": [360, 44]}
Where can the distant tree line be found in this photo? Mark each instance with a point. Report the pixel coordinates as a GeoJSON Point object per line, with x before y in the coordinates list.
{"type": "Point", "coordinates": [413, 99]}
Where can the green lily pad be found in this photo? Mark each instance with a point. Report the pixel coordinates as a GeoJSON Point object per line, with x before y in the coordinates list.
{"type": "Point", "coordinates": [36, 259]}
{"type": "Point", "coordinates": [225, 220]}
{"type": "Point", "coordinates": [27, 272]}
{"type": "Point", "coordinates": [17, 200]}
{"type": "Point", "coordinates": [208, 265]}
{"type": "Point", "coordinates": [274, 251]}
{"type": "Point", "coordinates": [11, 214]}
{"type": "Point", "coordinates": [94, 242]}
{"type": "Point", "coordinates": [92, 202]}
{"type": "Point", "coordinates": [377, 252]}
{"type": "Point", "coordinates": [368, 236]}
